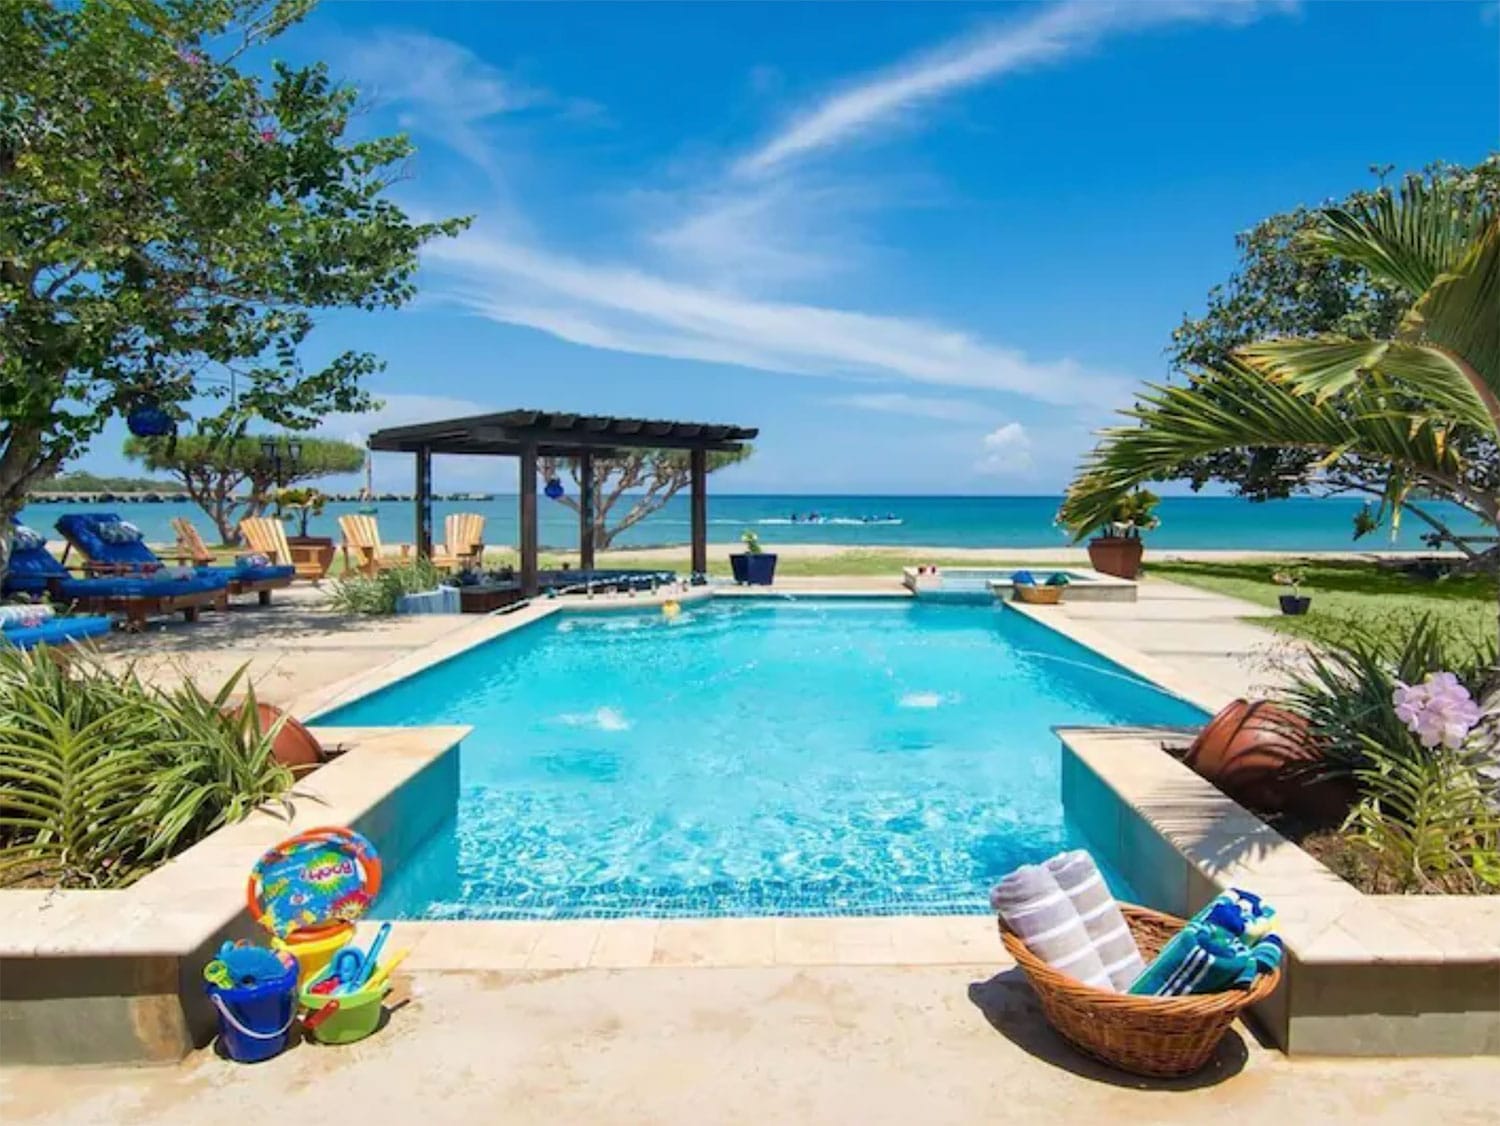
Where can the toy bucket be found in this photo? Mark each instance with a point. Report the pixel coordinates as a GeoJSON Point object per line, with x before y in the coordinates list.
{"type": "Point", "coordinates": [254, 1020]}
{"type": "Point", "coordinates": [313, 953]}
{"type": "Point", "coordinates": [357, 1016]}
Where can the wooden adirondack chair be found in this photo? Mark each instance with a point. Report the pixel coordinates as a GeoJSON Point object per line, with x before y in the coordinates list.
{"type": "Point", "coordinates": [267, 535]}
{"type": "Point", "coordinates": [362, 548]}
{"type": "Point", "coordinates": [190, 542]}
{"type": "Point", "coordinates": [463, 544]}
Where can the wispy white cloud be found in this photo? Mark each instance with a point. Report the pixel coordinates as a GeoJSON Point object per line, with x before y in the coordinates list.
{"type": "Point", "coordinates": [1053, 33]}
{"type": "Point", "coordinates": [630, 310]}
{"type": "Point", "coordinates": [1006, 449]}
{"type": "Point", "coordinates": [915, 406]}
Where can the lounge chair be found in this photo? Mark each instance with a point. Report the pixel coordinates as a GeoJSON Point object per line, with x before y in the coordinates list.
{"type": "Point", "coordinates": [267, 536]}
{"type": "Point", "coordinates": [25, 627]}
{"type": "Point", "coordinates": [109, 548]}
{"type": "Point", "coordinates": [362, 548]}
{"type": "Point", "coordinates": [35, 570]}
{"type": "Point", "coordinates": [463, 542]}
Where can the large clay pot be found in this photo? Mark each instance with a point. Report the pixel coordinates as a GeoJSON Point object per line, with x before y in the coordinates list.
{"type": "Point", "coordinates": [1119, 556]}
{"type": "Point", "coordinates": [295, 746]}
{"type": "Point", "coordinates": [1264, 757]}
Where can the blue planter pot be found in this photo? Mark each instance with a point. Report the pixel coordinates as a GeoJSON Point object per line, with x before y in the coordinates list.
{"type": "Point", "coordinates": [753, 570]}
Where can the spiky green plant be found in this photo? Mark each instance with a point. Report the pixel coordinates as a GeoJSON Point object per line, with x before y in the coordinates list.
{"type": "Point", "coordinates": [378, 594]}
{"type": "Point", "coordinates": [1426, 821]}
{"type": "Point", "coordinates": [102, 776]}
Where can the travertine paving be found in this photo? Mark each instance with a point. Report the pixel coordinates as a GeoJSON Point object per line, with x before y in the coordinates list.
{"type": "Point", "coordinates": [936, 1045]}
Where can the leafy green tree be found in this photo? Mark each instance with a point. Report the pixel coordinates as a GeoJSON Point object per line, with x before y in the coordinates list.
{"type": "Point", "coordinates": [168, 223]}
{"type": "Point", "coordinates": [650, 477]}
{"type": "Point", "coordinates": [1279, 290]}
{"type": "Point", "coordinates": [231, 478]}
{"type": "Point", "coordinates": [1421, 407]}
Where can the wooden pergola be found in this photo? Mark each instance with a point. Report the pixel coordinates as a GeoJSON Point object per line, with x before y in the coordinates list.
{"type": "Point", "coordinates": [529, 435]}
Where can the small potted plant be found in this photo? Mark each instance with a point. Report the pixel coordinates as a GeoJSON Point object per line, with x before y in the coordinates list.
{"type": "Point", "coordinates": [1118, 551]}
{"type": "Point", "coordinates": [754, 566]}
{"type": "Point", "coordinates": [302, 505]}
{"type": "Point", "coordinates": [1294, 577]}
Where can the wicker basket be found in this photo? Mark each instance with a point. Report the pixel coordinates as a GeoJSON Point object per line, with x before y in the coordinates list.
{"type": "Point", "coordinates": [1156, 1036]}
{"type": "Point", "coordinates": [1038, 595]}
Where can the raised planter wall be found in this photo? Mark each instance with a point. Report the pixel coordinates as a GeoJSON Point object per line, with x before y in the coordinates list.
{"type": "Point", "coordinates": [92, 977]}
{"type": "Point", "coordinates": [1366, 975]}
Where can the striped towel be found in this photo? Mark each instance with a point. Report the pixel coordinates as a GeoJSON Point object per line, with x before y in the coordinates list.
{"type": "Point", "coordinates": [1080, 878]}
{"type": "Point", "coordinates": [1034, 905]}
{"type": "Point", "coordinates": [1200, 958]}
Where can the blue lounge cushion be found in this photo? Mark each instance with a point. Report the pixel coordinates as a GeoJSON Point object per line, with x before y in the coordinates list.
{"type": "Point", "coordinates": [56, 631]}
{"type": "Point", "coordinates": [269, 572]}
{"type": "Point", "coordinates": [100, 537]}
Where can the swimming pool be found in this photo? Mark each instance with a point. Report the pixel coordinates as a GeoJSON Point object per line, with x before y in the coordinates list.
{"type": "Point", "coordinates": [752, 757]}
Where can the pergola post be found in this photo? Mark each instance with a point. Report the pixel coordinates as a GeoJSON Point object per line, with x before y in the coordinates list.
{"type": "Point", "coordinates": [527, 488]}
{"type": "Point", "coordinates": [424, 503]}
{"type": "Point", "coordinates": [586, 512]}
{"type": "Point", "coordinates": [698, 474]}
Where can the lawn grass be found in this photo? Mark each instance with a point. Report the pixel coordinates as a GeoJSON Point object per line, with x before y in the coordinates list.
{"type": "Point", "coordinates": [1349, 594]}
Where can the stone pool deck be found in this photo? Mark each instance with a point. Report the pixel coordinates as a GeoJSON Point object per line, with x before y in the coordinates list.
{"type": "Point", "coordinates": [937, 1045]}
{"type": "Point", "coordinates": [298, 651]}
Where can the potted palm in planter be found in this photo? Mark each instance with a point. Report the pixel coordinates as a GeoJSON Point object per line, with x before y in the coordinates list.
{"type": "Point", "coordinates": [753, 566]}
{"type": "Point", "coordinates": [1118, 551]}
{"type": "Point", "coordinates": [302, 505]}
{"type": "Point", "coordinates": [1294, 577]}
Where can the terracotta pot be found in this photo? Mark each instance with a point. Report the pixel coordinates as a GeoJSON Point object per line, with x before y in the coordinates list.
{"type": "Point", "coordinates": [1119, 556]}
{"type": "Point", "coordinates": [295, 746]}
{"type": "Point", "coordinates": [1263, 757]}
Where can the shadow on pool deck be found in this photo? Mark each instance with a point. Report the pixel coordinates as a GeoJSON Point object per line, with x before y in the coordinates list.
{"type": "Point", "coordinates": [1012, 1009]}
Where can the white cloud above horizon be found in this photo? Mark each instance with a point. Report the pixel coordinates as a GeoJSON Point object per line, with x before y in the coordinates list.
{"type": "Point", "coordinates": [914, 406]}
{"type": "Point", "coordinates": [1005, 450]}
{"type": "Point", "coordinates": [629, 310]}
{"type": "Point", "coordinates": [1055, 32]}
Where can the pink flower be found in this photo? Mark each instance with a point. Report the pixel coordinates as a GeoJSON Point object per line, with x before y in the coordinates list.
{"type": "Point", "coordinates": [267, 135]}
{"type": "Point", "coordinates": [1439, 711]}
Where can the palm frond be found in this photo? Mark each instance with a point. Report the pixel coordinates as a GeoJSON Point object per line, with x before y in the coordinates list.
{"type": "Point", "coordinates": [1460, 314]}
{"type": "Point", "coordinates": [1408, 239]}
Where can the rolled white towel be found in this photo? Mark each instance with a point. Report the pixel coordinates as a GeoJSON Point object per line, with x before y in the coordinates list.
{"type": "Point", "coordinates": [1083, 883]}
{"type": "Point", "coordinates": [1034, 905]}
{"type": "Point", "coordinates": [22, 613]}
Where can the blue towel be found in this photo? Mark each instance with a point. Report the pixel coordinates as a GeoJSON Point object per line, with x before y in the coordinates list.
{"type": "Point", "coordinates": [1022, 578]}
{"type": "Point", "coordinates": [1200, 958]}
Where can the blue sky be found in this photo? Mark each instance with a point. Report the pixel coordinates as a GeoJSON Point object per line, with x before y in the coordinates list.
{"type": "Point", "coordinates": [925, 247]}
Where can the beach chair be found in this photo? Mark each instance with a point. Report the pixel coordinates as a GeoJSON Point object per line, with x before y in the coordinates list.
{"type": "Point", "coordinates": [463, 541]}
{"type": "Point", "coordinates": [110, 546]}
{"type": "Point", "coordinates": [190, 544]}
{"type": "Point", "coordinates": [266, 535]}
{"type": "Point", "coordinates": [362, 548]}
{"type": "Point", "coordinates": [34, 570]}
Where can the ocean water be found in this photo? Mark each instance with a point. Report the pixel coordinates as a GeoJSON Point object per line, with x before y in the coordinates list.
{"type": "Point", "coordinates": [769, 756]}
{"type": "Point", "coordinates": [1300, 524]}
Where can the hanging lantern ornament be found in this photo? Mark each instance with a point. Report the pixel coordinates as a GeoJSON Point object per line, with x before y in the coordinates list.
{"type": "Point", "coordinates": [554, 489]}
{"type": "Point", "coordinates": [148, 420]}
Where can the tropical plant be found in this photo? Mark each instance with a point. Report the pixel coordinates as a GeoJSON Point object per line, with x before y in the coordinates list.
{"type": "Point", "coordinates": [102, 776]}
{"type": "Point", "coordinates": [1293, 577]}
{"type": "Point", "coordinates": [1347, 687]}
{"type": "Point", "coordinates": [170, 221]}
{"type": "Point", "coordinates": [652, 478]}
{"type": "Point", "coordinates": [1427, 822]}
{"type": "Point", "coordinates": [1132, 514]}
{"type": "Point", "coordinates": [752, 542]}
{"type": "Point", "coordinates": [378, 594]}
{"type": "Point", "coordinates": [1423, 407]}
{"type": "Point", "coordinates": [1279, 291]}
{"type": "Point", "coordinates": [301, 503]}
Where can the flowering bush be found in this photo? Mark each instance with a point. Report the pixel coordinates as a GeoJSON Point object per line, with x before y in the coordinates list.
{"type": "Point", "coordinates": [1438, 711]}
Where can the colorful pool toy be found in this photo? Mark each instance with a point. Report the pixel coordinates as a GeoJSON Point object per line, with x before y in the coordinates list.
{"type": "Point", "coordinates": [310, 887]}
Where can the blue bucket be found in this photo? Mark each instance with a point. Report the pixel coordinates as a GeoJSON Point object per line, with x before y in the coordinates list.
{"type": "Point", "coordinates": [255, 1021]}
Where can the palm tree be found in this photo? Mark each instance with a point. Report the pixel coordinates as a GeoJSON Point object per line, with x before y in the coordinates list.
{"type": "Point", "coordinates": [1423, 407]}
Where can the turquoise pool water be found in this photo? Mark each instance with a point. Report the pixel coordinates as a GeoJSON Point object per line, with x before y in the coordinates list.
{"type": "Point", "coordinates": [752, 757]}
